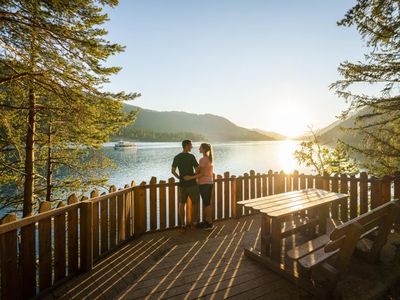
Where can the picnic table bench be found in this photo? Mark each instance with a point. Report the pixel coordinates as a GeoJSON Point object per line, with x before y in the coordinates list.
{"type": "Point", "coordinates": [317, 264]}
{"type": "Point", "coordinates": [326, 258]}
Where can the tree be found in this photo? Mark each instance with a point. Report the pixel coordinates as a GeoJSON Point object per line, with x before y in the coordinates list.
{"type": "Point", "coordinates": [53, 55]}
{"type": "Point", "coordinates": [324, 160]}
{"type": "Point", "coordinates": [377, 76]}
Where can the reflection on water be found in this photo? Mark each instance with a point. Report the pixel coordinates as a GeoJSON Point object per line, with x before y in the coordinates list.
{"type": "Point", "coordinates": [155, 159]}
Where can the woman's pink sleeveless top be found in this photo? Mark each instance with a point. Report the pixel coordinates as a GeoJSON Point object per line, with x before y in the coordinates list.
{"type": "Point", "coordinates": [208, 171]}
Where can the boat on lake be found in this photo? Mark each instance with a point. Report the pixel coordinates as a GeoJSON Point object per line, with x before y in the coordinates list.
{"type": "Point", "coordinates": [122, 145]}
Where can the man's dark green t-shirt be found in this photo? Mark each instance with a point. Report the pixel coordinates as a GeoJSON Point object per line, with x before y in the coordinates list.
{"type": "Point", "coordinates": [186, 163]}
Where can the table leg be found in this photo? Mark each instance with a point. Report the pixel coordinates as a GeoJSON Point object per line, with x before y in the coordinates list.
{"type": "Point", "coordinates": [265, 235]}
{"type": "Point", "coordinates": [276, 239]}
{"type": "Point", "coordinates": [323, 215]}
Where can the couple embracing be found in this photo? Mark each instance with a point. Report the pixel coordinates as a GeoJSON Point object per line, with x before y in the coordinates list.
{"type": "Point", "coordinates": [195, 179]}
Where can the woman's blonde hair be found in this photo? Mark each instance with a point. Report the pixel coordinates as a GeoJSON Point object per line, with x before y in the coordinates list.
{"type": "Point", "coordinates": [208, 149]}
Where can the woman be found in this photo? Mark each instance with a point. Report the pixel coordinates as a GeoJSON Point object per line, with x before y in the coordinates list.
{"type": "Point", "coordinates": [205, 179]}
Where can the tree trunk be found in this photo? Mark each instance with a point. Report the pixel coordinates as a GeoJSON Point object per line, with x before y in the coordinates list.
{"type": "Point", "coordinates": [29, 184]}
{"type": "Point", "coordinates": [49, 174]}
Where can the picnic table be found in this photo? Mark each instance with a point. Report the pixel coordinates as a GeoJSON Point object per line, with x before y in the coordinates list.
{"type": "Point", "coordinates": [283, 215]}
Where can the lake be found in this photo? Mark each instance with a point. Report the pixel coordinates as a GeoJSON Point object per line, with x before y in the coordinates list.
{"type": "Point", "coordinates": [155, 159]}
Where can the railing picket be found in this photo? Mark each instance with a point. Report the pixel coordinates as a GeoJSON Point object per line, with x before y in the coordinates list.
{"type": "Point", "coordinates": [302, 182]}
{"type": "Point", "coordinates": [28, 260]}
{"type": "Point", "coordinates": [86, 234]}
{"type": "Point", "coordinates": [264, 182]}
{"type": "Point", "coordinates": [325, 182]}
{"type": "Point", "coordinates": [258, 185]}
{"type": "Point", "coordinates": [344, 207]}
{"type": "Point", "coordinates": [239, 196]}
{"type": "Point", "coordinates": [104, 221]}
{"type": "Point", "coordinates": [8, 261]}
{"type": "Point", "coordinates": [171, 203]}
{"type": "Point", "coordinates": [45, 256]}
{"type": "Point", "coordinates": [72, 237]}
{"type": "Point", "coordinates": [226, 195]}
{"type": "Point", "coordinates": [296, 180]}
{"type": "Point", "coordinates": [270, 182]}
{"type": "Point", "coordinates": [163, 200]}
{"type": "Point", "coordinates": [96, 234]}
{"type": "Point", "coordinates": [375, 192]}
{"type": "Point", "coordinates": [140, 209]}
{"type": "Point", "coordinates": [252, 184]}
{"type": "Point", "coordinates": [213, 202]}
{"type": "Point", "coordinates": [233, 197]}
{"type": "Point", "coordinates": [289, 187]}
{"type": "Point", "coordinates": [335, 188]}
{"type": "Point", "coordinates": [386, 189]}
{"type": "Point", "coordinates": [396, 192]}
{"type": "Point", "coordinates": [219, 197]}
{"type": "Point", "coordinates": [246, 191]}
{"type": "Point", "coordinates": [132, 193]}
{"type": "Point", "coordinates": [121, 216]}
{"type": "Point", "coordinates": [113, 218]}
{"type": "Point", "coordinates": [189, 211]}
{"type": "Point", "coordinates": [353, 197]}
{"type": "Point", "coordinates": [127, 212]}
{"type": "Point", "coordinates": [363, 193]}
{"type": "Point", "coordinates": [310, 181]}
{"type": "Point", "coordinates": [153, 203]}
{"type": "Point", "coordinates": [59, 245]}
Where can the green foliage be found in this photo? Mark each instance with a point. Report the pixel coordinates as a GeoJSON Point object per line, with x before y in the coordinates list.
{"type": "Point", "coordinates": [378, 22]}
{"type": "Point", "coordinates": [325, 160]}
{"type": "Point", "coordinates": [155, 136]}
{"type": "Point", "coordinates": [53, 109]}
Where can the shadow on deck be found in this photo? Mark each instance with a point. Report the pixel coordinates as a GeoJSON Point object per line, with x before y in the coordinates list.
{"type": "Point", "coordinates": [194, 264]}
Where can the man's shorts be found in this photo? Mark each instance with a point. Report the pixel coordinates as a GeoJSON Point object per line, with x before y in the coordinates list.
{"type": "Point", "coordinates": [192, 191]}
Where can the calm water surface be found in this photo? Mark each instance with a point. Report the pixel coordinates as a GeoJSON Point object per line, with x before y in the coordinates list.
{"type": "Point", "coordinates": [155, 159]}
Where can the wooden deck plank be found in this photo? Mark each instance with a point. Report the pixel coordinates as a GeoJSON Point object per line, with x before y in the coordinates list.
{"type": "Point", "coordinates": [214, 267]}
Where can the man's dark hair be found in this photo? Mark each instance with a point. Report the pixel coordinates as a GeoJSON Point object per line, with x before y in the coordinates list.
{"type": "Point", "coordinates": [185, 143]}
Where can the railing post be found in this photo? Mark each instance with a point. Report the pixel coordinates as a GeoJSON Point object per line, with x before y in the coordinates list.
{"type": "Point", "coordinates": [8, 260]}
{"type": "Point", "coordinates": [233, 197]}
{"type": "Point", "coordinates": [86, 236]}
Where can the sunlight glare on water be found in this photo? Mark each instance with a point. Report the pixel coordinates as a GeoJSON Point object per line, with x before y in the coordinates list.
{"type": "Point", "coordinates": [155, 159]}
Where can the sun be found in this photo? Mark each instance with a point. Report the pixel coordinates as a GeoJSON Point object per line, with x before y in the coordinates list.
{"type": "Point", "coordinates": [288, 118]}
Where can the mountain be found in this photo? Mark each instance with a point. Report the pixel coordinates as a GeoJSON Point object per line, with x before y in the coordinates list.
{"type": "Point", "coordinates": [275, 135]}
{"type": "Point", "coordinates": [212, 127]}
{"type": "Point", "coordinates": [336, 131]}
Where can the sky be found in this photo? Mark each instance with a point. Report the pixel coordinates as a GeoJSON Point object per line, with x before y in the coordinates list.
{"type": "Point", "coordinates": [260, 63]}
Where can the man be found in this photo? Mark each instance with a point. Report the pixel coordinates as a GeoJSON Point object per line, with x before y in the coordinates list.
{"type": "Point", "coordinates": [187, 166]}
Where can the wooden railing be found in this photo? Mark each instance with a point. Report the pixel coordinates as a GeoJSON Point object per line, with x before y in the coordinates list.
{"type": "Point", "coordinates": [46, 249]}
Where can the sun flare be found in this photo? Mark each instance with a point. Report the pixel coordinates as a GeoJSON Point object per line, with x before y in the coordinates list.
{"type": "Point", "coordinates": [289, 119]}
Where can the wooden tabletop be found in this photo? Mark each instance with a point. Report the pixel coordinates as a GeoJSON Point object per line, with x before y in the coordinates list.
{"type": "Point", "coordinates": [287, 203]}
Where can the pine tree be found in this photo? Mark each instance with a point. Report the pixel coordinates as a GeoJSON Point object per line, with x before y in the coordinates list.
{"type": "Point", "coordinates": [378, 77]}
{"type": "Point", "coordinates": [53, 56]}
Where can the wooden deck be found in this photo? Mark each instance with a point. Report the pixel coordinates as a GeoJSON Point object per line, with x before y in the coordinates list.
{"type": "Point", "coordinates": [194, 264]}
